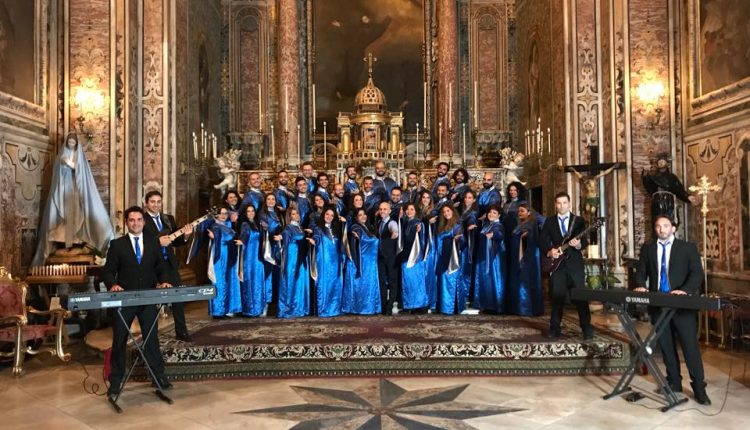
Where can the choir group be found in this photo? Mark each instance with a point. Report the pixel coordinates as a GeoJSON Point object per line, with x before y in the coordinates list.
{"type": "Point", "coordinates": [322, 249]}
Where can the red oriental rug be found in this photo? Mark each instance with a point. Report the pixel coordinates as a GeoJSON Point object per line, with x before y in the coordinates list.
{"type": "Point", "coordinates": [430, 345]}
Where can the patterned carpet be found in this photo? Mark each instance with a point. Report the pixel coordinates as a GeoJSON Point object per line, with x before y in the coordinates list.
{"type": "Point", "coordinates": [387, 346]}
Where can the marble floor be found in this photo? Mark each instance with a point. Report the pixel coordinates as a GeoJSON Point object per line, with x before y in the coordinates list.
{"type": "Point", "coordinates": [55, 395]}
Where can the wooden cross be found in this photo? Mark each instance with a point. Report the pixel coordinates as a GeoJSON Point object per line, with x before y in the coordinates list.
{"type": "Point", "coordinates": [369, 60]}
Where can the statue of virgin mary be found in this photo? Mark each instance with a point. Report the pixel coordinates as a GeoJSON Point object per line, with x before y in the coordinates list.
{"type": "Point", "coordinates": [74, 213]}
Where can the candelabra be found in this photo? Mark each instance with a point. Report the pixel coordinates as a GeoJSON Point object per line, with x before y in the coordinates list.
{"type": "Point", "coordinates": [204, 153]}
{"type": "Point", "coordinates": [451, 133]}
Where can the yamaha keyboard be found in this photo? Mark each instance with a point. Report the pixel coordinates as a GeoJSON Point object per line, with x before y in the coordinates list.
{"type": "Point", "coordinates": [659, 300]}
{"type": "Point", "coordinates": [154, 296]}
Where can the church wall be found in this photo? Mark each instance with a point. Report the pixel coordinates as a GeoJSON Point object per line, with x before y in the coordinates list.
{"type": "Point", "coordinates": [716, 109]}
{"type": "Point", "coordinates": [28, 118]}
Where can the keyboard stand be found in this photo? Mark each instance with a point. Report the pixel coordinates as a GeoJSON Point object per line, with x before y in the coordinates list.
{"type": "Point", "coordinates": [644, 354]}
{"type": "Point", "coordinates": [141, 357]}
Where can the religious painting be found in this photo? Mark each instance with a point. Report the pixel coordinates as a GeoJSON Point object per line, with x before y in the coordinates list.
{"type": "Point", "coordinates": [724, 40]}
{"type": "Point", "coordinates": [392, 30]}
{"type": "Point", "coordinates": [17, 48]}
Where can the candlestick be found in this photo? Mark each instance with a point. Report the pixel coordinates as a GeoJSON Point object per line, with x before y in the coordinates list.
{"type": "Point", "coordinates": [260, 110]}
{"type": "Point", "coordinates": [204, 140]}
{"type": "Point", "coordinates": [463, 137]}
{"type": "Point", "coordinates": [325, 150]}
{"type": "Point", "coordinates": [213, 141]}
{"type": "Point", "coordinates": [440, 140]}
{"type": "Point", "coordinates": [313, 108]}
{"type": "Point", "coordinates": [417, 143]}
{"type": "Point", "coordinates": [195, 146]}
{"type": "Point", "coordinates": [286, 108]}
{"type": "Point", "coordinates": [476, 105]}
{"type": "Point", "coordinates": [450, 105]}
{"type": "Point", "coordinates": [273, 149]}
{"type": "Point", "coordinates": [299, 144]}
{"type": "Point", "coordinates": [549, 142]}
{"type": "Point", "coordinates": [424, 104]}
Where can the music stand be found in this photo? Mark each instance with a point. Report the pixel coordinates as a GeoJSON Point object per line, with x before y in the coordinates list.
{"type": "Point", "coordinates": [141, 357]}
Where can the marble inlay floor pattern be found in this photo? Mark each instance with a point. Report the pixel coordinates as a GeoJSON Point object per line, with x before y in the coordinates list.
{"type": "Point", "coordinates": [381, 404]}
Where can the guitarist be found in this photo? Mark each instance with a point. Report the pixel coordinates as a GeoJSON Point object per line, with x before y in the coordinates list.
{"type": "Point", "coordinates": [559, 229]}
{"type": "Point", "coordinates": [161, 225]}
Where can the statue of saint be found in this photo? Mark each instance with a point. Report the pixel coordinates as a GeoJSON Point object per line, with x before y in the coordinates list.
{"type": "Point", "coordinates": [664, 186]}
{"type": "Point", "coordinates": [74, 215]}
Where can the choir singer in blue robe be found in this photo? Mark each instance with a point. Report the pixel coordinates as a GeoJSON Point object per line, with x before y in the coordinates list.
{"type": "Point", "coordinates": [361, 282]}
{"type": "Point", "coordinates": [451, 299]}
{"type": "Point", "coordinates": [413, 265]}
{"type": "Point", "coordinates": [269, 220]}
{"type": "Point", "coordinates": [489, 283]}
{"type": "Point", "coordinates": [251, 271]}
{"type": "Point", "coordinates": [222, 267]}
{"type": "Point", "coordinates": [329, 280]}
{"type": "Point", "coordinates": [525, 296]}
{"type": "Point", "coordinates": [294, 283]}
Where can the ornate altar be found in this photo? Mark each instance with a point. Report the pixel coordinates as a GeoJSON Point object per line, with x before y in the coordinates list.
{"type": "Point", "coordinates": [371, 133]}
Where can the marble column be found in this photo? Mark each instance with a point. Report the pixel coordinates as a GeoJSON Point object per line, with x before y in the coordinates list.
{"type": "Point", "coordinates": [288, 95]}
{"type": "Point", "coordinates": [447, 71]}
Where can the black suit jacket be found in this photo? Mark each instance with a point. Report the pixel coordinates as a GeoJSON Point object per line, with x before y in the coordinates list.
{"type": "Point", "coordinates": [685, 270]}
{"type": "Point", "coordinates": [169, 226]}
{"type": "Point", "coordinates": [551, 237]}
{"type": "Point", "coordinates": [123, 269]}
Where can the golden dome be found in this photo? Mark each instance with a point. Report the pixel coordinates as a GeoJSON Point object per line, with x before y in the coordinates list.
{"type": "Point", "coordinates": [370, 98]}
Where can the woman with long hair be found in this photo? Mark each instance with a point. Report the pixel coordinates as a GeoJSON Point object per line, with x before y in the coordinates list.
{"type": "Point", "coordinates": [451, 299]}
{"type": "Point", "coordinates": [271, 224]}
{"type": "Point", "coordinates": [361, 280]}
{"type": "Point", "coordinates": [525, 296]}
{"type": "Point", "coordinates": [413, 286]}
{"type": "Point", "coordinates": [429, 221]}
{"type": "Point", "coordinates": [489, 283]}
{"type": "Point", "coordinates": [469, 226]}
{"type": "Point", "coordinates": [319, 204]}
{"type": "Point", "coordinates": [252, 274]}
{"type": "Point", "coordinates": [460, 187]}
{"type": "Point", "coordinates": [294, 280]}
{"type": "Point", "coordinates": [329, 262]}
{"type": "Point", "coordinates": [357, 202]}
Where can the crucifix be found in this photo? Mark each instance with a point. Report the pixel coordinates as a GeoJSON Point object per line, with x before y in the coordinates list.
{"type": "Point", "coordinates": [369, 60]}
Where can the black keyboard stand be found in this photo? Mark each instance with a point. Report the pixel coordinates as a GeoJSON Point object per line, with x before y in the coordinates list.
{"type": "Point", "coordinates": [141, 357]}
{"type": "Point", "coordinates": [644, 354]}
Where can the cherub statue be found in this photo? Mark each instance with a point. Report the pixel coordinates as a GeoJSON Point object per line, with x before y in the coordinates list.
{"type": "Point", "coordinates": [228, 165]}
{"type": "Point", "coordinates": [590, 191]}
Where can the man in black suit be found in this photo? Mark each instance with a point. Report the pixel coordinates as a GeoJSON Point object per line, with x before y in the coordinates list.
{"type": "Point", "coordinates": [388, 232]}
{"type": "Point", "coordinates": [161, 225]}
{"type": "Point", "coordinates": [134, 262]}
{"type": "Point", "coordinates": [673, 266]}
{"type": "Point", "coordinates": [557, 229]}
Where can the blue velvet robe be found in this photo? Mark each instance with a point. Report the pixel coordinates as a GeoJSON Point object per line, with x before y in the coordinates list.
{"type": "Point", "coordinates": [361, 280]}
{"type": "Point", "coordinates": [468, 251]}
{"type": "Point", "coordinates": [488, 198]}
{"type": "Point", "coordinates": [304, 207]}
{"type": "Point", "coordinates": [283, 197]}
{"type": "Point", "coordinates": [253, 276]}
{"type": "Point", "coordinates": [430, 254]}
{"type": "Point", "coordinates": [525, 296]}
{"type": "Point", "coordinates": [451, 297]}
{"type": "Point", "coordinates": [254, 198]}
{"type": "Point", "coordinates": [489, 283]}
{"type": "Point", "coordinates": [413, 265]}
{"type": "Point", "coordinates": [223, 263]}
{"type": "Point", "coordinates": [329, 263]}
{"type": "Point", "coordinates": [270, 225]}
{"type": "Point", "coordinates": [294, 283]}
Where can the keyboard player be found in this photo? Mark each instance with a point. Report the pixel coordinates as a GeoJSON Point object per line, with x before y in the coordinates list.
{"type": "Point", "coordinates": [673, 266]}
{"type": "Point", "coordinates": [134, 262]}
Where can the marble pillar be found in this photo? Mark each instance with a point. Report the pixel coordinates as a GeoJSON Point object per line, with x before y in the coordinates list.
{"type": "Point", "coordinates": [447, 72]}
{"type": "Point", "coordinates": [287, 116]}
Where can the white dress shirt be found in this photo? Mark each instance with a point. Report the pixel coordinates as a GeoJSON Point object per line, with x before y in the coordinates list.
{"type": "Point", "coordinates": [140, 242]}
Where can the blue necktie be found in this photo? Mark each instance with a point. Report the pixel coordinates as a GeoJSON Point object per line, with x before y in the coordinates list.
{"type": "Point", "coordinates": [157, 220]}
{"type": "Point", "coordinates": [137, 250]}
{"type": "Point", "coordinates": [562, 225]}
{"type": "Point", "coordinates": [663, 275]}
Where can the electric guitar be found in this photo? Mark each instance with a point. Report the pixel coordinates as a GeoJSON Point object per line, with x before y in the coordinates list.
{"type": "Point", "coordinates": [550, 265]}
{"type": "Point", "coordinates": [209, 213]}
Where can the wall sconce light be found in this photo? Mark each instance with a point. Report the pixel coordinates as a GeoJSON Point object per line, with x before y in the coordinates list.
{"type": "Point", "coordinates": [650, 92]}
{"type": "Point", "coordinates": [88, 100]}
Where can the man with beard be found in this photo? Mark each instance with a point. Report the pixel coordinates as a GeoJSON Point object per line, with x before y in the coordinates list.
{"type": "Point", "coordinates": [383, 184]}
{"type": "Point", "coordinates": [413, 189]}
{"type": "Point", "coordinates": [442, 199]}
{"type": "Point", "coordinates": [350, 185]}
{"type": "Point", "coordinates": [442, 178]}
{"type": "Point", "coordinates": [338, 200]}
{"type": "Point", "coordinates": [254, 196]}
{"type": "Point", "coordinates": [304, 205]}
{"type": "Point", "coordinates": [322, 189]}
{"type": "Point", "coordinates": [282, 193]}
{"type": "Point", "coordinates": [396, 203]}
{"type": "Point", "coordinates": [309, 174]}
{"type": "Point", "coordinates": [372, 199]}
{"type": "Point", "coordinates": [489, 196]}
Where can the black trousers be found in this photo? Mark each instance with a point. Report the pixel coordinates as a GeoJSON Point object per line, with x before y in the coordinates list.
{"type": "Point", "coordinates": [146, 316]}
{"type": "Point", "coordinates": [388, 274]}
{"type": "Point", "coordinates": [561, 281]}
{"type": "Point", "coordinates": [178, 314]}
{"type": "Point", "coordinates": [684, 327]}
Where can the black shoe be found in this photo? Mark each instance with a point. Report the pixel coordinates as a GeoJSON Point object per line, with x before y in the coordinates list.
{"type": "Point", "coordinates": [588, 336]}
{"type": "Point", "coordinates": [552, 334]}
{"type": "Point", "coordinates": [183, 336]}
{"type": "Point", "coordinates": [699, 391]}
{"type": "Point", "coordinates": [164, 382]}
